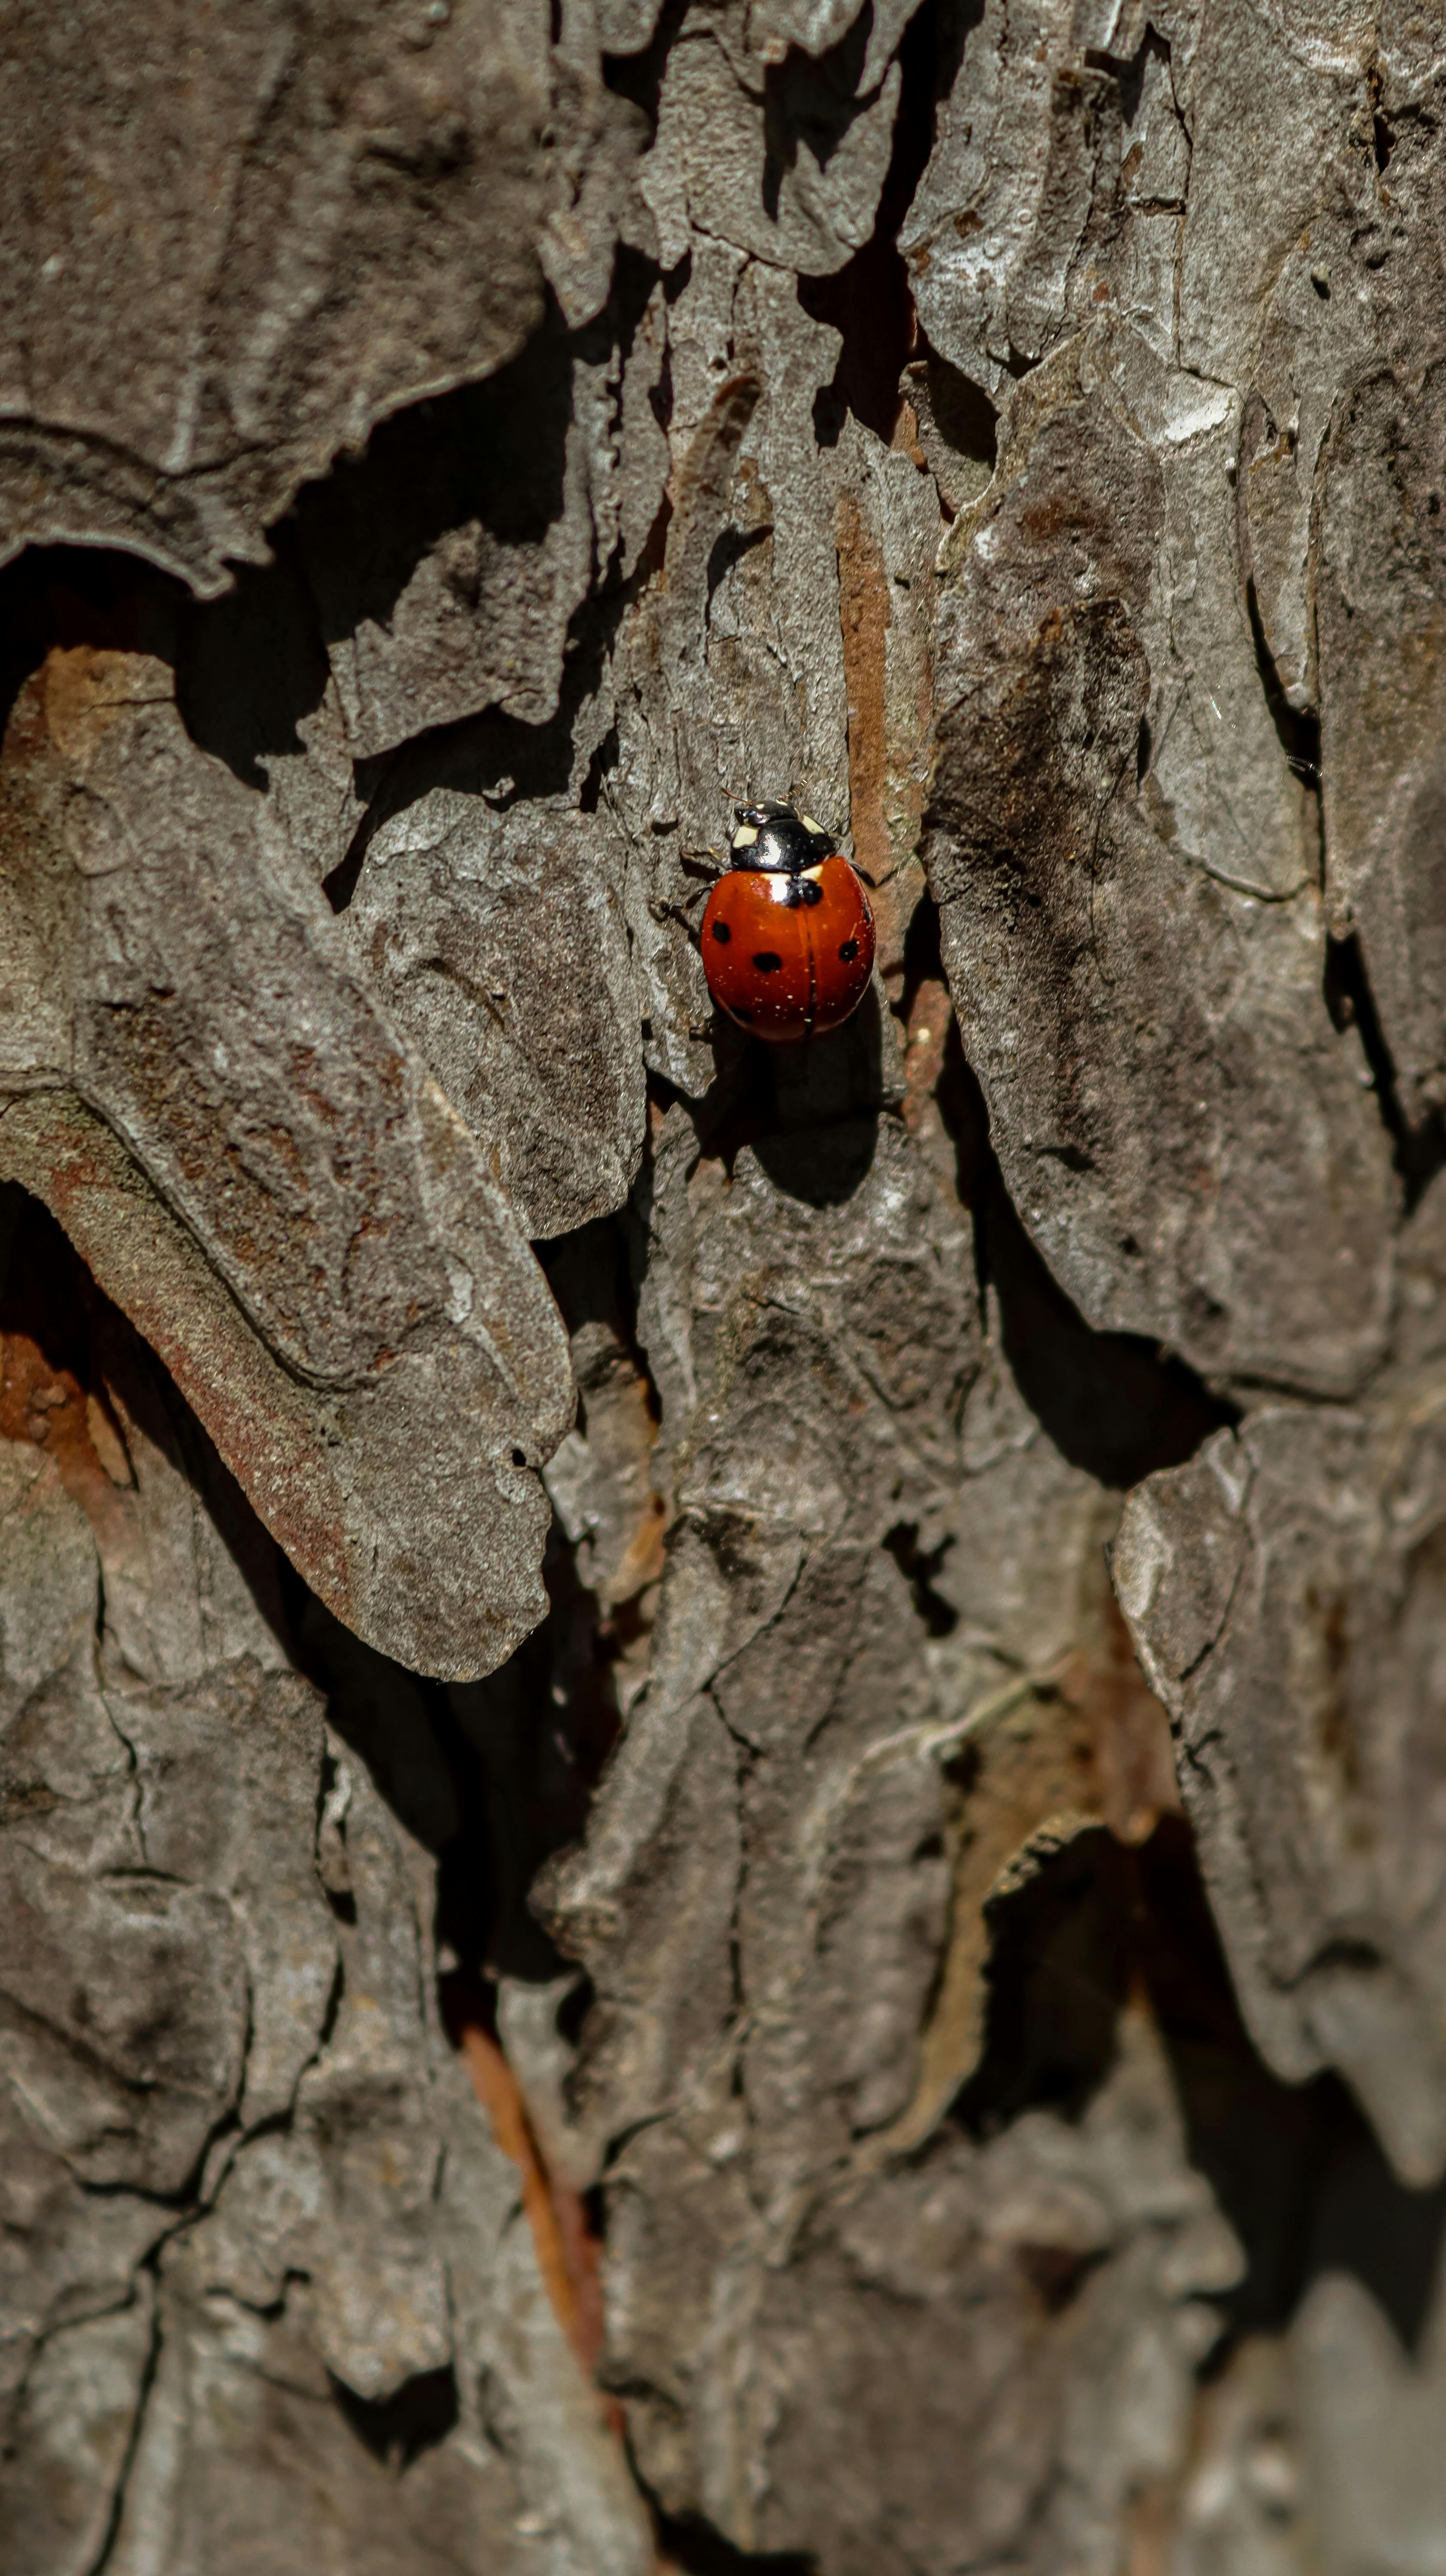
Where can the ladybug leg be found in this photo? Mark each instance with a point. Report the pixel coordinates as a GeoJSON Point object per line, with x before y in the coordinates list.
{"type": "Point", "coordinates": [679, 912]}
{"type": "Point", "coordinates": [662, 910]}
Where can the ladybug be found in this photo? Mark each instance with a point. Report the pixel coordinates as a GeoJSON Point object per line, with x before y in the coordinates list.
{"type": "Point", "coordinates": [787, 936]}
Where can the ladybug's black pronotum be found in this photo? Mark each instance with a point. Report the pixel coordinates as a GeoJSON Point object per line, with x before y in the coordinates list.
{"type": "Point", "coordinates": [788, 937]}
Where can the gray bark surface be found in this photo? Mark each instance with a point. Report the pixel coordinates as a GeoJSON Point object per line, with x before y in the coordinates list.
{"type": "Point", "coordinates": [854, 1634]}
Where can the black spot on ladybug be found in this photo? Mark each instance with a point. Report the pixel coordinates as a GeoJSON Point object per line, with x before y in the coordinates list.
{"type": "Point", "coordinates": [848, 952]}
{"type": "Point", "coordinates": [810, 892]}
{"type": "Point", "coordinates": [766, 962]}
{"type": "Point", "coordinates": [722, 932]}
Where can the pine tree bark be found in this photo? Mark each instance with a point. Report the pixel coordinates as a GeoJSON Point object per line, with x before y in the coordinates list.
{"type": "Point", "coordinates": [606, 1959]}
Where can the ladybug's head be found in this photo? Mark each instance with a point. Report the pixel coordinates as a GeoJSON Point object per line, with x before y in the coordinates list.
{"type": "Point", "coordinates": [778, 838]}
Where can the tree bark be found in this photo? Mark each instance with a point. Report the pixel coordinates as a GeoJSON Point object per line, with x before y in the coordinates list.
{"type": "Point", "coordinates": [604, 1964]}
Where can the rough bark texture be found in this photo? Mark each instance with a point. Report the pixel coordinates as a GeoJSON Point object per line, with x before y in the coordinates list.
{"type": "Point", "coordinates": [546, 1544]}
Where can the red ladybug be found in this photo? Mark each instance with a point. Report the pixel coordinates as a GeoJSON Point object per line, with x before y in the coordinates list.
{"type": "Point", "coordinates": [787, 937]}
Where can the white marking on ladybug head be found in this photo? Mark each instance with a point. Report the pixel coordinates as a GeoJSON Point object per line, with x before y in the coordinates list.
{"type": "Point", "coordinates": [809, 825]}
{"type": "Point", "coordinates": [813, 873]}
{"type": "Point", "coordinates": [745, 836]}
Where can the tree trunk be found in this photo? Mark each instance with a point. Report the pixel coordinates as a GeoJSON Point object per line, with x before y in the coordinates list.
{"type": "Point", "coordinates": [604, 1964]}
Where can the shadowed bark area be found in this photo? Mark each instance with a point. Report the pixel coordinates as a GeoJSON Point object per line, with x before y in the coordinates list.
{"type": "Point", "coordinates": [722, 1827]}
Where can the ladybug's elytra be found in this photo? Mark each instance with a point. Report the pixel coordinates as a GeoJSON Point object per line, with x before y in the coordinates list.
{"type": "Point", "coordinates": [787, 937]}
